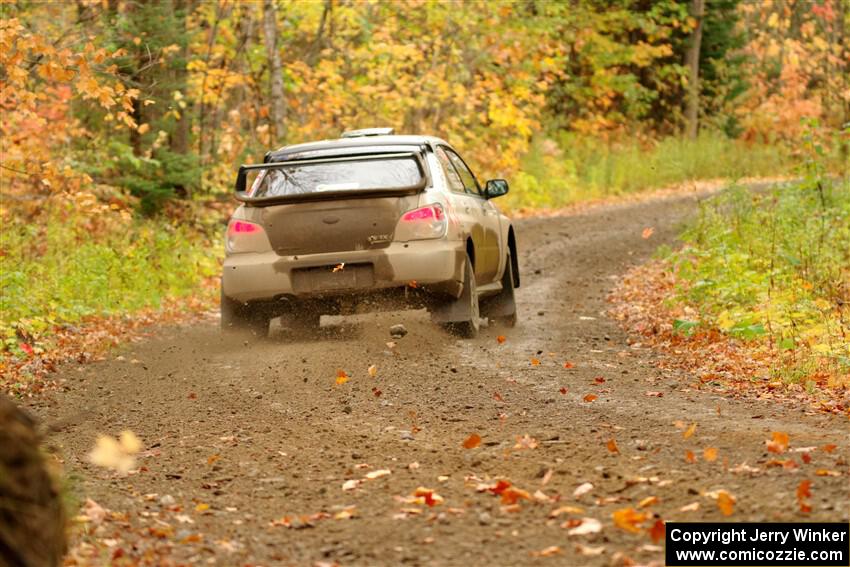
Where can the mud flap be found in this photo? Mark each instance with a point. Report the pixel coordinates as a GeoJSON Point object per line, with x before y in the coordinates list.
{"type": "Point", "coordinates": [458, 310]}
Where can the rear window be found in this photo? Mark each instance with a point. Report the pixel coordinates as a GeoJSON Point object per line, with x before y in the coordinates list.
{"type": "Point", "coordinates": [392, 172]}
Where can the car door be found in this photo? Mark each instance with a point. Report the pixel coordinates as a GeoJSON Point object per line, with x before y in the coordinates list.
{"type": "Point", "coordinates": [465, 208]}
{"type": "Point", "coordinates": [486, 214]}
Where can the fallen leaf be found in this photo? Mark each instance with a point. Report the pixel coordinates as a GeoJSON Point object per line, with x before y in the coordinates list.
{"type": "Point", "coordinates": [341, 377]}
{"type": "Point", "coordinates": [629, 519]}
{"type": "Point", "coordinates": [648, 501]}
{"type": "Point", "coordinates": [692, 507]}
{"type": "Point", "coordinates": [413, 284]}
{"type": "Point", "coordinates": [582, 489]}
{"type": "Point", "coordinates": [804, 492]}
{"type": "Point", "coordinates": [589, 551]}
{"type": "Point", "coordinates": [590, 397]}
{"type": "Point", "coordinates": [586, 527]}
{"type": "Point", "coordinates": [612, 446]}
{"type": "Point", "coordinates": [565, 510]}
{"type": "Point", "coordinates": [377, 393]}
{"type": "Point", "coordinates": [535, 362]}
{"type": "Point", "coordinates": [213, 458]}
{"type": "Point", "coordinates": [339, 267]}
{"type": "Point", "coordinates": [346, 513]}
{"type": "Point", "coordinates": [563, 391]}
{"type": "Point", "coordinates": [548, 552]}
{"type": "Point", "coordinates": [807, 458]}
{"type": "Point", "coordinates": [92, 513]}
{"type": "Point", "coordinates": [710, 454]}
{"type": "Point", "coordinates": [472, 441]}
{"type": "Point", "coordinates": [647, 232]}
{"type": "Point", "coordinates": [541, 497]}
{"type": "Point", "coordinates": [825, 472]}
{"type": "Point", "coordinates": [778, 443]}
{"type": "Point", "coordinates": [372, 370]}
{"type": "Point", "coordinates": [829, 448]}
{"type": "Point", "coordinates": [428, 497]}
{"type": "Point", "coordinates": [656, 532]}
{"type": "Point", "coordinates": [526, 442]}
{"type": "Point", "coordinates": [202, 507]}
{"type": "Point", "coordinates": [498, 397]}
{"type": "Point", "coordinates": [689, 431]}
{"type": "Point", "coordinates": [690, 457]}
{"type": "Point", "coordinates": [599, 380]}
{"type": "Point", "coordinates": [547, 477]}
{"type": "Point", "coordinates": [26, 348]}
{"type": "Point", "coordinates": [654, 394]}
{"type": "Point", "coordinates": [569, 365]}
{"type": "Point", "coordinates": [512, 494]}
{"type": "Point", "coordinates": [351, 484]}
{"type": "Point", "coordinates": [501, 339]}
{"type": "Point", "coordinates": [116, 454]}
{"type": "Point", "coordinates": [726, 502]}
{"type": "Point", "coordinates": [378, 474]}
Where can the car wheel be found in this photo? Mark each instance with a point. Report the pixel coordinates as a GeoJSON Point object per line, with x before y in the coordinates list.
{"type": "Point", "coordinates": [502, 307]}
{"type": "Point", "coordinates": [466, 306]}
{"type": "Point", "coordinates": [236, 316]}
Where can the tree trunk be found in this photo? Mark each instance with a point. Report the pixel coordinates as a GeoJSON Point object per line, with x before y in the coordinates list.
{"type": "Point", "coordinates": [278, 104]}
{"type": "Point", "coordinates": [32, 520]}
{"type": "Point", "coordinates": [692, 63]}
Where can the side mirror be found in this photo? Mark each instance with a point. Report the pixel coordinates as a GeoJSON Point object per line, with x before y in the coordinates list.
{"type": "Point", "coordinates": [495, 188]}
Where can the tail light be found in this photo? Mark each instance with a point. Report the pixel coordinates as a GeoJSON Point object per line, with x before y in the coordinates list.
{"type": "Point", "coordinates": [244, 236]}
{"type": "Point", "coordinates": [422, 223]}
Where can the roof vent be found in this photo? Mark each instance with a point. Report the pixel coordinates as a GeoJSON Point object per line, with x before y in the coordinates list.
{"type": "Point", "coordinates": [368, 132]}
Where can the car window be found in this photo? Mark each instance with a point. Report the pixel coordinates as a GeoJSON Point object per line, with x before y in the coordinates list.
{"type": "Point", "coordinates": [453, 179]}
{"type": "Point", "coordinates": [465, 175]}
{"type": "Point", "coordinates": [350, 175]}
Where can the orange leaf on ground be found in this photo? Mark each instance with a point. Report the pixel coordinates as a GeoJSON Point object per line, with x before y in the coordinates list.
{"type": "Point", "coordinates": [726, 502]}
{"type": "Point", "coordinates": [630, 519]}
{"type": "Point", "coordinates": [563, 391]}
{"type": "Point", "coordinates": [568, 365]}
{"type": "Point", "coordinates": [656, 532]}
{"type": "Point", "coordinates": [535, 362]}
{"type": "Point", "coordinates": [472, 441]}
{"type": "Point", "coordinates": [690, 457]}
{"type": "Point", "coordinates": [512, 494]}
{"type": "Point", "coordinates": [710, 454]}
{"type": "Point", "coordinates": [689, 431]}
{"type": "Point", "coordinates": [648, 501]}
{"type": "Point", "coordinates": [779, 442]}
{"type": "Point", "coordinates": [526, 442]}
{"type": "Point", "coordinates": [599, 379]}
{"type": "Point", "coordinates": [372, 370]}
{"type": "Point", "coordinates": [826, 472]}
{"type": "Point", "coordinates": [807, 458]}
{"type": "Point", "coordinates": [647, 232]}
{"type": "Point", "coordinates": [548, 552]}
{"type": "Point", "coordinates": [498, 397]}
{"type": "Point", "coordinates": [428, 496]}
{"type": "Point", "coordinates": [804, 493]}
{"type": "Point", "coordinates": [501, 339]}
{"type": "Point", "coordinates": [590, 397]}
{"type": "Point", "coordinates": [829, 448]}
{"type": "Point", "coordinates": [341, 377]}
{"type": "Point", "coordinates": [612, 446]}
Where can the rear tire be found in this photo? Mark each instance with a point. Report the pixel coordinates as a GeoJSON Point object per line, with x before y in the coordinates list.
{"type": "Point", "coordinates": [465, 308]}
{"type": "Point", "coordinates": [236, 316]}
{"type": "Point", "coordinates": [502, 308]}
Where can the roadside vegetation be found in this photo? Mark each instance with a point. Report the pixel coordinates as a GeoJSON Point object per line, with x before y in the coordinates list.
{"type": "Point", "coordinates": [761, 289]}
{"type": "Point", "coordinates": [123, 123]}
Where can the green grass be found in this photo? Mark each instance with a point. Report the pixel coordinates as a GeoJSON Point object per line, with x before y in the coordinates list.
{"type": "Point", "coordinates": [573, 169]}
{"type": "Point", "coordinates": [66, 266]}
{"type": "Point", "coordinates": [775, 266]}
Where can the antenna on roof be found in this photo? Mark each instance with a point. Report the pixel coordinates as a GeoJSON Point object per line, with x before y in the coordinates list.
{"type": "Point", "coordinates": [368, 132]}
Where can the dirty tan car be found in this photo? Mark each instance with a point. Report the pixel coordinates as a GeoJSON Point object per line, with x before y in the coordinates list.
{"type": "Point", "coordinates": [364, 222]}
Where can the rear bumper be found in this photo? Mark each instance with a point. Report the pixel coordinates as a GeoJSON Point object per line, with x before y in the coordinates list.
{"type": "Point", "coordinates": [434, 265]}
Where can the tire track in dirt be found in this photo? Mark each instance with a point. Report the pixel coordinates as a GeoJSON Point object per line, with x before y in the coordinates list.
{"type": "Point", "coordinates": [259, 431]}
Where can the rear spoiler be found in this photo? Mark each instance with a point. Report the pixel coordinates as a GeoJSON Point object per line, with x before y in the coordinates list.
{"type": "Point", "coordinates": [243, 196]}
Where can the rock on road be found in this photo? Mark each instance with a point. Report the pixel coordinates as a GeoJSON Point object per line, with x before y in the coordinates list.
{"type": "Point", "coordinates": [261, 431]}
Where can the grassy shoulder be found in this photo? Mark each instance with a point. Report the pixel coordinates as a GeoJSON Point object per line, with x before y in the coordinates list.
{"type": "Point", "coordinates": [759, 296]}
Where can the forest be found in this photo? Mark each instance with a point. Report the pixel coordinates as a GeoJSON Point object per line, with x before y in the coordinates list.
{"type": "Point", "coordinates": [678, 349]}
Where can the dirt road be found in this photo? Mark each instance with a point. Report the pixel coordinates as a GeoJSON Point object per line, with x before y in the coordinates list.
{"type": "Point", "coordinates": [259, 432]}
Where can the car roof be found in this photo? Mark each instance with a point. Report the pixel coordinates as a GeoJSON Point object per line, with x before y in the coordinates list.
{"type": "Point", "coordinates": [343, 146]}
